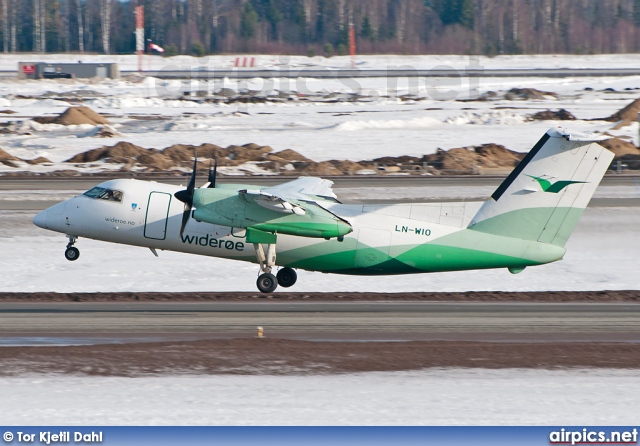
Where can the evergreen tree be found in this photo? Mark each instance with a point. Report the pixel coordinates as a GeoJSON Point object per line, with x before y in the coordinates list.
{"type": "Point", "coordinates": [248, 21]}
{"type": "Point", "coordinates": [294, 26]}
{"type": "Point", "coordinates": [455, 11]}
{"type": "Point", "coordinates": [466, 13]}
{"type": "Point", "coordinates": [273, 17]}
{"type": "Point", "coordinates": [366, 32]}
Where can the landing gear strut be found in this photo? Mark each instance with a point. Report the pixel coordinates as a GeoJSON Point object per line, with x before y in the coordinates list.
{"type": "Point", "coordinates": [72, 253]}
{"type": "Point", "coordinates": [267, 282]}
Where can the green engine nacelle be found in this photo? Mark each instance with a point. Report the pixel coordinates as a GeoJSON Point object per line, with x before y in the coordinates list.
{"type": "Point", "coordinates": [228, 208]}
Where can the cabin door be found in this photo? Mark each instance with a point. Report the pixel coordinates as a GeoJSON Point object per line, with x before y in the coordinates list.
{"type": "Point", "coordinates": [155, 224]}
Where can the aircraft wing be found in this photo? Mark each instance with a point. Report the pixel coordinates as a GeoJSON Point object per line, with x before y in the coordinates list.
{"type": "Point", "coordinates": [273, 202]}
{"type": "Point", "coordinates": [291, 197]}
{"type": "Point", "coordinates": [303, 188]}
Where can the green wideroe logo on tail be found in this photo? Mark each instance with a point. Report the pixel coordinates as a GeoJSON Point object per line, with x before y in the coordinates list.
{"type": "Point", "coordinates": [554, 188]}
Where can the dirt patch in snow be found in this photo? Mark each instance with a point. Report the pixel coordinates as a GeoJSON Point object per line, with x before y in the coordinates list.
{"type": "Point", "coordinates": [74, 116]}
{"type": "Point", "coordinates": [178, 158]}
{"type": "Point", "coordinates": [288, 156]}
{"type": "Point", "coordinates": [527, 94]}
{"type": "Point", "coordinates": [549, 115]}
{"type": "Point", "coordinates": [181, 156]}
{"type": "Point", "coordinates": [620, 147]}
{"type": "Point", "coordinates": [628, 296]}
{"type": "Point", "coordinates": [8, 159]}
{"type": "Point", "coordinates": [473, 159]}
{"type": "Point", "coordinates": [272, 356]}
{"type": "Point", "coordinates": [120, 152]}
{"type": "Point", "coordinates": [626, 115]}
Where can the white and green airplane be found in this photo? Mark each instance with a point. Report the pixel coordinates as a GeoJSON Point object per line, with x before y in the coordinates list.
{"type": "Point", "coordinates": [527, 221]}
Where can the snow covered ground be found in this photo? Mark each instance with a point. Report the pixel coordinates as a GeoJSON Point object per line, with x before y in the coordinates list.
{"type": "Point", "coordinates": [379, 124]}
{"type": "Point", "coordinates": [129, 62]}
{"type": "Point", "coordinates": [430, 397]}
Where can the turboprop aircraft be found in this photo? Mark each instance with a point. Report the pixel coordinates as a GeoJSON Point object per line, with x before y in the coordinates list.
{"type": "Point", "coordinates": [527, 221]}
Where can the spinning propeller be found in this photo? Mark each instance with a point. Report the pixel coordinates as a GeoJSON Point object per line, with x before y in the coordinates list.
{"type": "Point", "coordinates": [186, 196]}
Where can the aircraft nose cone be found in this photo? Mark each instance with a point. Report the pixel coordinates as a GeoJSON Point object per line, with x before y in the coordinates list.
{"type": "Point", "coordinates": [41, 219]}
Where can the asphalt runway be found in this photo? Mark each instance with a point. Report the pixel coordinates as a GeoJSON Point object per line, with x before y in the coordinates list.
{"type": "Point", "coordinates": [31, 323]}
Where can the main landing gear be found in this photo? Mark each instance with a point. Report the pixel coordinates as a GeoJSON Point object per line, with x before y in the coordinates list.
{"type": "Point", "coordinates": [287, 277]}
{"type": "Point", "coordinates": [72, 253]}
{"type": "Point", "coordinates": [267, 282]}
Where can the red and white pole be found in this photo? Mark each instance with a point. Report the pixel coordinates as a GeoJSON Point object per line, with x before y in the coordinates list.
{"type": "Point", "coordinates": [352, 45]}
{"type": "Point", "coordinates": [139, 12]}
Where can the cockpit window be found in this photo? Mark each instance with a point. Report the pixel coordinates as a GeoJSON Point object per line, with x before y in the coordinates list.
{"type": "Point", "coordinates": [101, 193]}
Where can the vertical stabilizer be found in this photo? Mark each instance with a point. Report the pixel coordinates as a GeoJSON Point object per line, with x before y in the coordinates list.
{"type": "Point", "coordinates": [545, 195]}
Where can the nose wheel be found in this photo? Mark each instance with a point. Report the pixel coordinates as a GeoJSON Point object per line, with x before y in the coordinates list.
{"type": "Point", "coordinates": [71, 253]}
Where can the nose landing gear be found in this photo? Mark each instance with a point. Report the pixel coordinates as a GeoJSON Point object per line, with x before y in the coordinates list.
{"type": "Point", "coordinates": [72, 253]}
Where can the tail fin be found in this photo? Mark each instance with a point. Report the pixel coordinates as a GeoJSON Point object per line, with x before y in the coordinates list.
{"type": "Point", "coordinates": [545, 195]}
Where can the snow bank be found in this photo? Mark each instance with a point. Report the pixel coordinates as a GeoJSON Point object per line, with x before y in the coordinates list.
{"type": "Point", "coordinates": [415, 123]}
{"type": "Point", "coordinates": [201, 122]}
{"type": "Point", "coordinates": [139, 102]}
{"type": "Point", "coordinates": [492, 117]}
{"type": "Point", "coordinates": [45, 103]}
{"type": "Point", "coordinates": [30, 125]}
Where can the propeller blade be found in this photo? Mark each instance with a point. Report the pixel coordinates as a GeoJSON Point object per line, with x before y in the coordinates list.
{"type": "Point", "coordinates": [213, 174]}
{"type": "Point", "coordinates": [192, 182]}
{"type": "Point", "coordinates": [186, 196]}
{"type": "Point", "coordinates": [185, 218]}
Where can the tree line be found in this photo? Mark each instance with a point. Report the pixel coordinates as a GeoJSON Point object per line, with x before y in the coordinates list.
{"type": "Point", "coordinates": [321, 27]}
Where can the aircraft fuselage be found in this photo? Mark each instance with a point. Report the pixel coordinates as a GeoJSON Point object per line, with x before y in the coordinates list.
{"type": "Point", "coordinates": [386, 239]}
